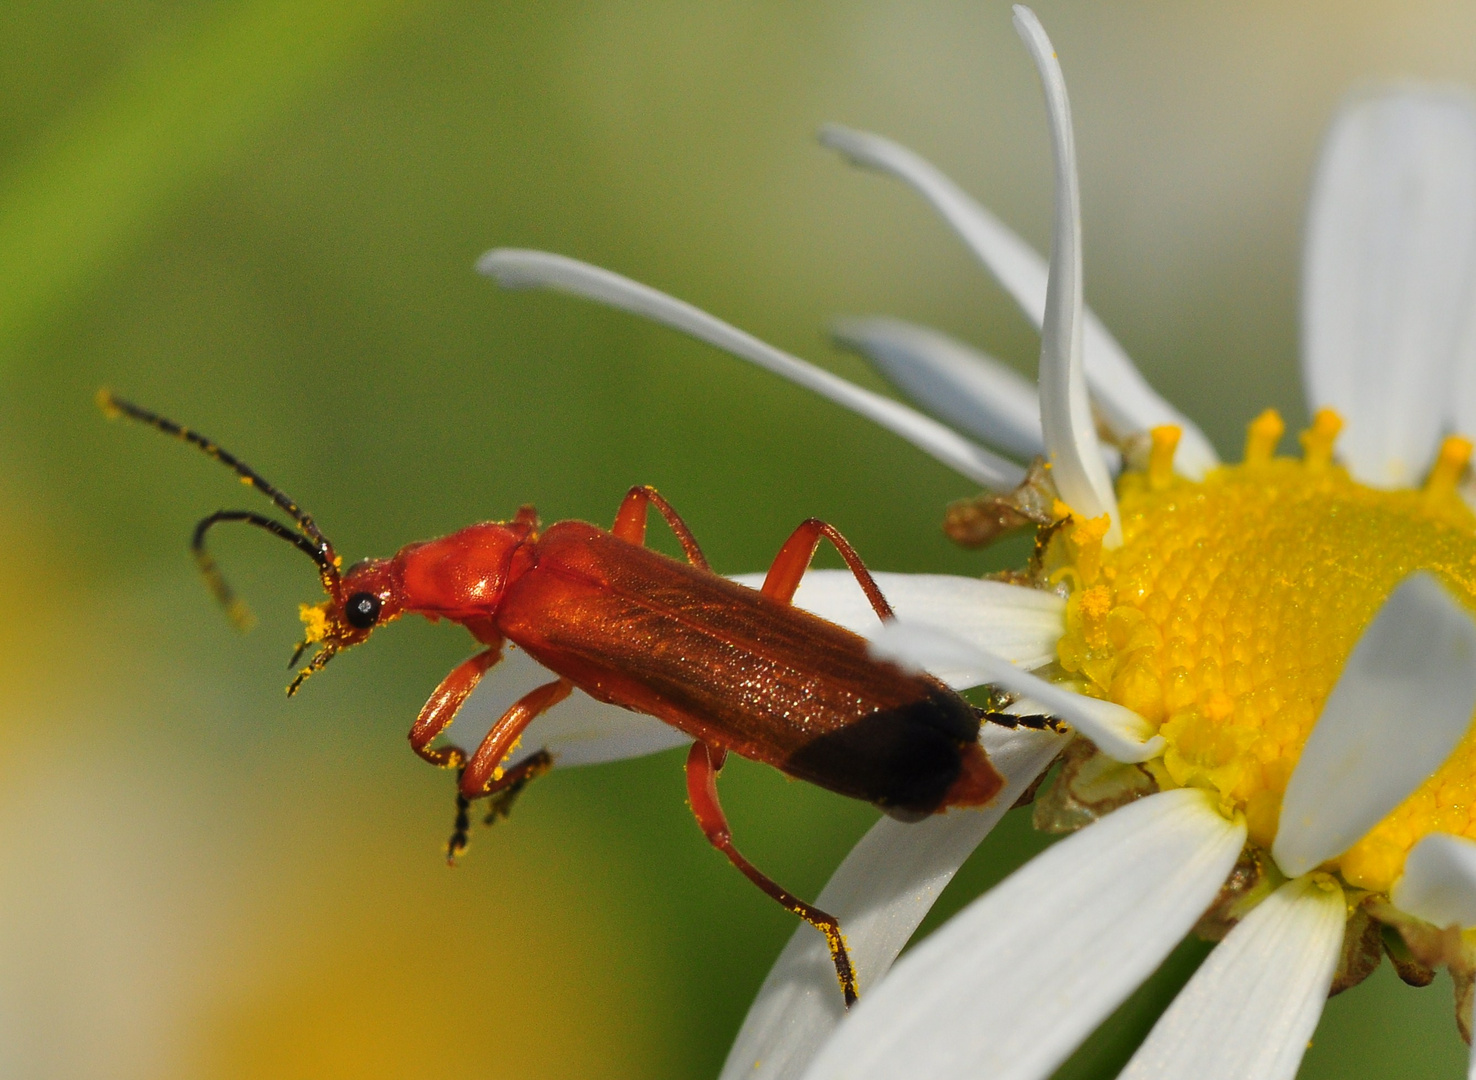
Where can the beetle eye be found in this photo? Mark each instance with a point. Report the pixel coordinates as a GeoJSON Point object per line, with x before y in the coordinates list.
{"type": "Point", "coordinates": [362, 610]}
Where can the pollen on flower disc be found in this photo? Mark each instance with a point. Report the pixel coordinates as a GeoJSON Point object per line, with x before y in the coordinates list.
{"type": "Point", "coordinates": [1229, 610]}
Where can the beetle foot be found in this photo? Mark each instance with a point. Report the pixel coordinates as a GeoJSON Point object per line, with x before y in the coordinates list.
{"type": "Point", "coordinates": [459, 834]}
{"type": "Point", "coordinates": [1033, 722]}
{"type": "Point", "coordinates": [500, 804]}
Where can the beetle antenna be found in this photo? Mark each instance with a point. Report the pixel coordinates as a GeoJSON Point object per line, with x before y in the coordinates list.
{"type": "Point", "coordinates": [235, 607]}
{"type": "Point", "coordinates": [314, 542]}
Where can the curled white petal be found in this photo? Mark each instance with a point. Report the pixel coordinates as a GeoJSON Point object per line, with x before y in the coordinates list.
{"type": "Point", "coordinates": [1439, 882]}
{"type": "Point", "coordinates": [1018, 623]}
{"type": "Point", "coordinates": [1389, 278]}
{"type": "Point", "coordinates": [1249, 1011]}
{"type": "Point", "coordinates": [879, 893]}
{"type": "Point", "coordinates": [1013, 983]}
{"type": "Point", "coordinates": [519, 269]}
{"type": "Point", "coordinates": [1119, 732]}
{"type": "Point", "coordinates": [973, 392]}
{"type": "Point", "coordinates": [1065, 412]}
{"type": "Point", "coordinates": [1370, 749]}
{"type": "Point", "coordinates": [1128, 403]}
{"type": "Point", "coordinates": [578, 730]}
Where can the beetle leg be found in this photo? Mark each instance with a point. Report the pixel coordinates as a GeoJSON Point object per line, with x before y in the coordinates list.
{"type": "Point", "coordinates": [504, 793]}
{"type": "Point", "coordinates": [630, 522]}
{"type": "Point", "coordinates": [440, 709]}
{"type": "Point", "coordinates": [703, 763]}
{"type": "Point", "coordinates": [794, 559]}
{"type": "Point", "coordinates": [483, 774]}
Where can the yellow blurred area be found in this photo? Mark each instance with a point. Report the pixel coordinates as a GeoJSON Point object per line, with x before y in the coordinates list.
{"type": "Point", "coordinates": [261, 218]}
{"type": "Point", "coordinates": [178, 903]}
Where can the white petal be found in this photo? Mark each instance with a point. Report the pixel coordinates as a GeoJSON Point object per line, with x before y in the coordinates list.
{"type": "Point", "coordinates": [1012, 984]}
{"type": "Point", "coordinates": [1119, 732]}
{"type": "Point", "coordinates": [1403, 701]}
{"type": "Point", "coordinates": [1128, 403]}
{"type": "Point", "coordinates": [1471, 1026]}
{"type": "Point", "coordinates": [1389, 276]}
{"type": "Point", "coordinates": [1065, 412]}
{"type": "Point", "coordinates": [517, 269]}
{"type": "Point", "coordinates": [1012, 621]}
{"type": "Point", "coordinates": [975, 393]}
{"type": "Point", "coordinates": [971, 390]}
{"type": "Point", "coordinates": [578, 731]}
{"type": "Point", "coordinates": [1439, 882]}
{"type": "Point", "coordinates": [1250, 1009]}
{"type": "Point", "coordinates": [880, 893]}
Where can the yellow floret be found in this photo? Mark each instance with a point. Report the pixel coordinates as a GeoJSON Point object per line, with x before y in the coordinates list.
{"type": "Point", "coordinates": [1229, 610]}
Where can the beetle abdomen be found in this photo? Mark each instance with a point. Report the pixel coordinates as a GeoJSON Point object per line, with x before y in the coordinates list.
{"type": "Point", "coordinates": [908, 758]}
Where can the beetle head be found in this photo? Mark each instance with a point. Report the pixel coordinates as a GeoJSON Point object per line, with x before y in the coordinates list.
{"type": "Point", "coordinates": [366, 597]}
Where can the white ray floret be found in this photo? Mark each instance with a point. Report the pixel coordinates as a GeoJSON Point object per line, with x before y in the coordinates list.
{"type": "Point", "coordinates": [1013, 983]}
{"type": "Point", "coordinates": [1389, 277]}
{"type": "Point", "coordinates": [880, 893]}
{"type": "Point", "coordinates": [1118, 732]}
{"type": "Point", "coordinates": [1439, 882]}
{"type": "Point", "coordinates": [519, 269]}
{"type": "Point", "coordinates": [1020, 624]}
{"type": "Point", "coordinates": [974, 392]}
{"type": "Point", "coordinates": [970, 389]}
{"type": "Point", "coordinates": [1249, 1011]}
{"type": "Point", "coordinates": [1404, 700]}
{"type": "Point", "coordinates": [1128, 403]}
{"type": "Point", "coordinates": [1065, 412]}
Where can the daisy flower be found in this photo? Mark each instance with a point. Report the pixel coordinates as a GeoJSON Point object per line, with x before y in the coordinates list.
{"type": "Point", "coordinates": [1269, 668]}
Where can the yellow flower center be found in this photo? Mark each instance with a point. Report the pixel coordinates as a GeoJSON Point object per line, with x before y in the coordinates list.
{"type": "Point", "coordinates": [1229, 610]}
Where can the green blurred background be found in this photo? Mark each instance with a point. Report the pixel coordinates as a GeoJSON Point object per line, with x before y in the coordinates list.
{"type": "Point", "coordinates": [260, 216]}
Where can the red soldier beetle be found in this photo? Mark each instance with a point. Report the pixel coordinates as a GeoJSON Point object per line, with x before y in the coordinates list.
{"type": "Point", "coordinates": [737, 669]}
